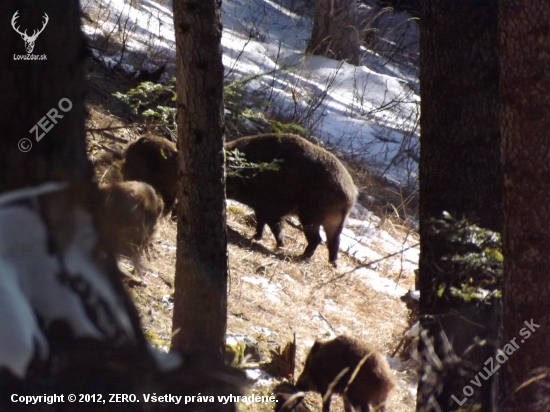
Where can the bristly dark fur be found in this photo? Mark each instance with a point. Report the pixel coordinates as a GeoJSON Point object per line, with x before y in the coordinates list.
{"type": "Point", "coordinates": [129, 215]}
{"type": "Point", "coordinates": [371, 385]}
{"type": "Point", "coordinates": [154, 76]}
{"type": "Point", "coordinates": [311, 183]}
{"type": "Point", "coordinates": [154, 160]}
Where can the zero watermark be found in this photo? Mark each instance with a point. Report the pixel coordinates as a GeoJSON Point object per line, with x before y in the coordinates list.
{"type": "Point", "coordinates": [45, 124]}
{"type": "Point", "coordinates": [501, 357]}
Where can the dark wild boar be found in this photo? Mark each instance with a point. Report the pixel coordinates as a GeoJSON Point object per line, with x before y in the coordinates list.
{"type": "Point", "coordinates": [129, 215]}
{"type": "Point", "coordinates": [371, 385]}
{"type": "Point", "coordinates": [154, 160]}
{"type": "Point", "coordinates": [154, 76]}
{"type": "Point", "coordinates": [311, 183]}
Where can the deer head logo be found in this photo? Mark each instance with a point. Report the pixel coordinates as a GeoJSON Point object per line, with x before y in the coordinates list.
{"type": "Point", "coordinates": [29, 40]}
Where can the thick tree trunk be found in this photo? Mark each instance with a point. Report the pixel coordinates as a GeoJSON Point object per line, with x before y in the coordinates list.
{"type": "Point", "coordinates": [460, 162]}
{"type": "Point", "coordinates": [200, 303]}
{"type": "Point", "coordinates": [69, 326]}
{"type": "Point", "coordinates": [43, 141]}
{"type": "Point", "coordinates": [525, 127]}
{"type": "Point", "coordinates": [42, 113]}
{"type": "Point", "coordinates": [34, 92]}
{"type": "Point", "coordinates": [335, 34]}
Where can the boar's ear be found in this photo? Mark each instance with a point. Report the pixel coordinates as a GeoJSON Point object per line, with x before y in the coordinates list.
{"type": "Point", "coordinates": [316, 346]}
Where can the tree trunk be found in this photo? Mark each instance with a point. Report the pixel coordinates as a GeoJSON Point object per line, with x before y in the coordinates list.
{"type": "Point", "coordinates": [69, 326]}
{"type": "Point", "coordinates": [200, 302]}
{"type": "Point", "coordinates": [335, 34]}
{"type": "Point", "coordinates": [43, 141]}
{"type": "Point", "coordinates": [460, 162]}
{"type": "Point", "coordinates": [34, 92]}
{"type": "Point", "coordinates": [525, 127]}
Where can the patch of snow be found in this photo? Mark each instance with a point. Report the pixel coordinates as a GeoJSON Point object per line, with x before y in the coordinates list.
{"type": "Point", "coordinates": [165, 360]}
{"type": "Point", "coordinates": [380, 283]}
{"type": "Point", "coordinates": [289, 278]}
{"type": "Point", "coordinates": [272, 289]}
{"type": "Point", "coordinates": [264, 37]}
{"type": "Point", "coordinates": [260, 377]}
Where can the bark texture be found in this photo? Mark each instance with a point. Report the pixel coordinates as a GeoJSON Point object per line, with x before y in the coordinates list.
{"type": "Point", "coordinates": [30, 89]}
{"type": "Point", "coordinates": [525, 127]}
{"type": "Point", "coordinates": [60, 242]}
{"type": "Point", "coordinates": [200, 304]}
{"type": "Point", "coordinates": [43, 140]}
{"type": "Point", "coordinates": [335, 34]}
{"type": "Point", "coordinates": [460, 164]}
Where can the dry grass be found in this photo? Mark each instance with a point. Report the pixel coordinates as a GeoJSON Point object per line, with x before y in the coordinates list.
{"type": "Point", "coordinates": [302, 298]}
{"type": "Point", "coordinates": [271, 296]}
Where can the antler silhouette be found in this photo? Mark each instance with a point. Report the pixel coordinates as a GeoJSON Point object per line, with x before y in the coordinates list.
{"type": "Point", "coordinates": [29, 40]}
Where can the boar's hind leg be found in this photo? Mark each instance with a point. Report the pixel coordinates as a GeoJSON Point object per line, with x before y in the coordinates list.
{"type": "Point", "coordinates": [313, 237]}
{"type": "Point", "coordinates": [260, 223]}
{"type": "Point", "coordinates": [333, 226]}
{"type": "Point", "coordinates": [276, 226]}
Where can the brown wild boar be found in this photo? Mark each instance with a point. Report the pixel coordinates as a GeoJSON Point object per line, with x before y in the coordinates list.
{"type": "Point", "coordinates": [370, 386]}
{"type": "Point", "coordinates": [311, 183]}
{"type": "Point", "coordinates": [154, 160]}
{"type": "Point", "coordinates": [129, 215]}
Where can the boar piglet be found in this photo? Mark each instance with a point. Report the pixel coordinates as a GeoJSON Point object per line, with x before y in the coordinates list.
{"type": "Point", "coordinates": [153, 160]}
{"type": "Point", "coordinates": [129, 215]}
{"type": "Point", "coordinates": [367, 381]}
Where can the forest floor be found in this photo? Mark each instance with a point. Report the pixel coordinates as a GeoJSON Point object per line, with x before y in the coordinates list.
{"type": "Point", "coordinates": [271, 297]}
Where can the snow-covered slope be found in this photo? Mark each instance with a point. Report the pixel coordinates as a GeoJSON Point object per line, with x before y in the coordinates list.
{"type": "Point", "coordinates": [369, 111]}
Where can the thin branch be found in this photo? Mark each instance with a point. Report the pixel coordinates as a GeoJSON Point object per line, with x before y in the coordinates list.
{"type": "Point", "coordinates": [364, 265]}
